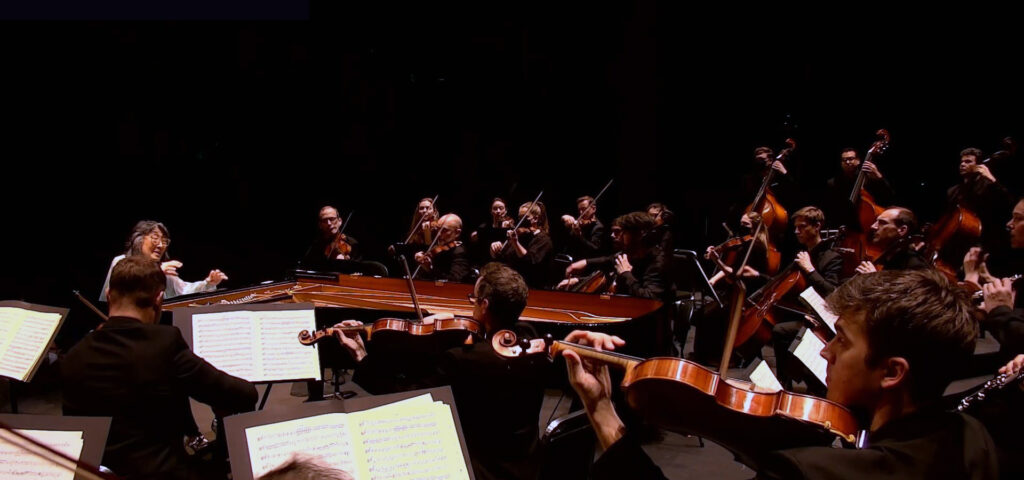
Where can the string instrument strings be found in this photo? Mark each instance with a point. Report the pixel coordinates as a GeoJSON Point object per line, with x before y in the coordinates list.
{"type": "Point", "coordinates": [338, 245]}
{"type": "Point", "coordinates": [429, 249]}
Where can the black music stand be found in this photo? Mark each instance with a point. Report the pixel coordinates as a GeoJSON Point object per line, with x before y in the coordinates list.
{"type": "Point", "coordinates": [14, 382]}
{"type": "Point", "coordinates": [94, 431]}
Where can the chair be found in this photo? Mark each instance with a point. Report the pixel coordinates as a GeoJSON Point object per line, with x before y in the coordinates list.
{"type": "Point", "coordinates": [693, 290]}
{"type": "Point", "coordinates": [567, 447]}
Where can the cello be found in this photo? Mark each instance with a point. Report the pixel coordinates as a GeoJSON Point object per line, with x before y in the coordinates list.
{"type": "Point", "coordinates": [865, 209]}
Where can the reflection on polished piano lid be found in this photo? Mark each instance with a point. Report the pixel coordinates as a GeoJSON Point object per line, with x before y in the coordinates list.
{"type": "Point", "coordinates": [392, 294]}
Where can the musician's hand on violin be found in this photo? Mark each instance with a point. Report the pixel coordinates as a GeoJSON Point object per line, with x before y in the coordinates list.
{"type": "Point", "coordinates": [709, 252]}
{"type": "Point", "coordinates": [593, 384]}
{"type": "Point", "coordinates": [575, 267]}
{"type": "Point", "coordinates": [866, 267]}
{"type": "Point", "coordinates": [803, 260]}
{"type": "Point", "coordinates": [495, 249]}
{"type": "Point", "coordinates": [974, 262]}
{"type": "Point", "coordinates": [215, 277]}
{"type": "Point", "coordinates": [871, 170]}
{"type": "Point", "coordinates": [421, 258]}
{"type": "Point", "coordinates": [171, 267]}
{"type": "Point", "coordinates": [430, 319]}
{"type": "Point", "coordinates": [779, 167]}
{"type": "Point", "coordinates": [622, 264]}
{"type": "Point", "coordinates": [351, 339]}
{"type": "Point", "coordinates": [998, 294]}
{"type": "Point", "coordinates": [507, 224]}
{"type": "Point", "coordinates": [565, 284]}
{"type": "Point", "coordinates": [568, 220]}
{"type": "Point", "coordinates": [341, 256]}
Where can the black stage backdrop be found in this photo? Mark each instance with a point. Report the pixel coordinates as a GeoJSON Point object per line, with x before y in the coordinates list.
{"type": "Point", "coordinates": [235, 133]}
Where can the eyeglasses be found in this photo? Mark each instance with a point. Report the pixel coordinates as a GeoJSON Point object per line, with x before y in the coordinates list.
{"type": "Point", "coordinates": [473, 299]}
{"type": "Point", "coordinates": [330, 219]}
{"type": "Point", "coordinates": [159, 239]}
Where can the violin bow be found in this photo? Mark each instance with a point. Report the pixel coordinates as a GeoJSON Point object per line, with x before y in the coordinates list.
{"type": "Point", "coordinates": [412, 288]}
{"type": "Point", "coordinates": [419, 220]}
{"type": "Point", "coordinates": [593, 203]}
{"type": "Point", "coordinates": [738, 300]}
{"type": "Point", "coordinates": [90, 305]}
{"type": "Point", "coordinates": [345, 225]}
{"type": "Point", "coordinates": [528, 210]}
{"type": "Point", "coordinates": [431, 247]}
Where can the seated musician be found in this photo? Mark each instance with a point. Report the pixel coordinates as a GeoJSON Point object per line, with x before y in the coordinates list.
{"type": "Point", "coordinates": [840, 186]}
{"type": "Point", "coordinates": [662, 226]}
{"type": "Point", "coordinates": [499, 399]}
{"type": "Point", "coordinates": [1003, 307]}
{"type": "Point", "coordinates": [980, 192]}
{"type": "Point", "coordinates": [586, 232]}
{"type": "Point", "coordinates": [530, 250]}
{"type": "Point", "coordinates": [422, 227]}
{"type": "Point", "coordinates": [710, 323]}
{"type": "Point", "coordinates": [330, 243]}
{"type": "Point", "coordinates": [783, 184]}
{"type": "Point", "coordinates": [140, 373]}
{"type": "Point", "coordinates": [821, 267]}
{"type": "Point", "coordinates": [900, 336]}
{"type": "Point", "coordinates": [640, 267]}
{"type": "Point", "coordinates": [891, 231]}
{"type": "Point", "coordinates": [448, 260]}
{"type": "Point", "coordinates": [151, 239]}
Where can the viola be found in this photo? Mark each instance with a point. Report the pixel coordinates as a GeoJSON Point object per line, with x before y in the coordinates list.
{"type": "Point", "coordinates": [866, 209]}
{"type": "Point", "coordinates": [729, 250]}
{"type": "Point", "coordinates": [433, 252]}
{"type": "Point", "coordinates": [338, 246]}
{"type": "Point", "coordinates": [745, 419]}
{"type": "Point", "coordinates": [449, 331]}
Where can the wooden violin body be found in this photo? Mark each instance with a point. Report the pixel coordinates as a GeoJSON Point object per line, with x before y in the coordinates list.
{"type": "Point", "coordinates": [858, 237]}
{"type": "Point", "coordinates": [443, 333]}
{"type": "Point", "coordinates": [755, 329]}
{"type": "Point", "coordinates": [958, 225]}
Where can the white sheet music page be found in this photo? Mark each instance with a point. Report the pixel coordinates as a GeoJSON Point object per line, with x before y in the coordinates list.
{"type": "Point", "coordinates": [259, 346]}
{"type": "Point", "coordinates": [820, 307]}
{"type": "Point", "coordinates": [326, 436]}
{"type": "Point", "coordinates": [24, 337]}
{"type": "Point", "coordinates": [808, 350]}
{"type": "Point", "coordinates": [16, 462]}
{"type": "Point", "coordinates": [763, 377]}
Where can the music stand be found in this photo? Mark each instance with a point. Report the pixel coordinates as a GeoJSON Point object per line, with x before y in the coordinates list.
{"type": "Point", "coordinates": [688, 271]}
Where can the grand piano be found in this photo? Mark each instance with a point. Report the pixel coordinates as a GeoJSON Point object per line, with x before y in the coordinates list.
{"type": "Point", "coordinates": [338, 297]}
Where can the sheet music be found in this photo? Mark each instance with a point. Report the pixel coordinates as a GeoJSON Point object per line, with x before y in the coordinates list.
{"type": "Point", "coordinates": [259, 346]}
{"type": "Point", "coordinates": [820, 307]}
{"type": "Point", "coordinates": [413, 438]}
{"type": "Point", "coordinates": [16, 462]}
{"type": "Point", "coordinates": [24, 337]}
{"type": "Point", "coordinates": [808, 350]}
{"type": "Point", "coordinates": [763, 377]}
{"type": "Point", "coordinates": [326, 436]}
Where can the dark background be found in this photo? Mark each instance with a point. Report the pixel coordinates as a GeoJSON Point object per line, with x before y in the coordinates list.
{"type": "Point", "coordinates": [235, 133]}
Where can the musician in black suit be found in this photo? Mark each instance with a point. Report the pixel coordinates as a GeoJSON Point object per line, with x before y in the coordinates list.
{"type": "Point", "coordinates": [890, 232]}
{"type": "Point", "coordinates": [498, 398]}
{"type": "Point", "coordinates": [140, 373]}
{"type": "Point", "coordinates": [900, 336]}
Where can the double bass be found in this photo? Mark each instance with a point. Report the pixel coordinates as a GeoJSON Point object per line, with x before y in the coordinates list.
{"type": "Point", "coordinates": [772, 213]}
{"type": "Point", "coordinates": [866, 210]}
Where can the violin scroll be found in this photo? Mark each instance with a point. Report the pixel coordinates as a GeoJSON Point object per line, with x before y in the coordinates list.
{"type": "Point", "coordinates": [507, 344]}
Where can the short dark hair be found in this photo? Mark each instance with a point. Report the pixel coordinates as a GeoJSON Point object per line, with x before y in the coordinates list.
{"type": "Point", "coordinates": [588, 198]}
{"type": "Point", "coordinates": [139, 233]}
{"type": "Point", "coordinates": [635, 222]}
{"type": "Point", "coordinates": [972, 151]}
{"type": "Point", "coordinates": [505, 292]}
{"type": "Point", "coordinates": [760, 150]}
{"type": "Point", "coordinates": [918, 315]}
{"type": "Point", "coordinates": [304, 469]}
{"type": "Point", "coordinates": [137, 279]}
{"type": "Point", "coordinates": [666, 214]}
{"type": "Point", "coordinates": [905, 217]}
{"type": "Point", "coordinates": [812, 214]}
{"type": "Point", "coordinates": [849, 149]}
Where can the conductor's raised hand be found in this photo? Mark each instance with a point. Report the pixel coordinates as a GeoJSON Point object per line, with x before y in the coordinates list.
{"type": "Point", "coordinates": [215, 277]}
{"type": "Point", "coordinates": [171, 267]}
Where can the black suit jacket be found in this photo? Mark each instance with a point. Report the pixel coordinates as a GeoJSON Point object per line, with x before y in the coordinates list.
{"type": "Point", "coordinates": [498, 399]}
{"type": "Point", "coordinates": [934, 445]}
{"type": "Point", "coordinates": [141, 375]}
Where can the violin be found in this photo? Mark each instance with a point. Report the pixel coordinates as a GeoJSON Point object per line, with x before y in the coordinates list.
{"type": "Point", "coordinates": [865, 208]}
{"type": "Point", "coordinates": [444, 332]}
{"type": "Point", "coordinates": [728, 251]}
{"type": "Point", "coordinates": [958, 223]}
{"type": "Point", "coordinates": [656, 387]}
{"type": "Point", "coordinates": [338, 246]}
